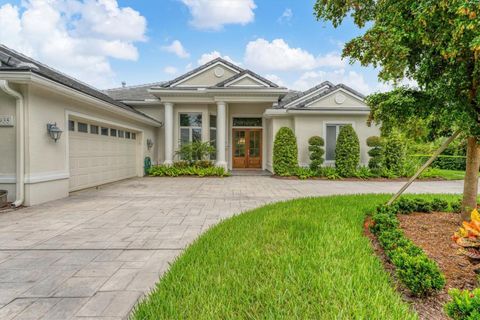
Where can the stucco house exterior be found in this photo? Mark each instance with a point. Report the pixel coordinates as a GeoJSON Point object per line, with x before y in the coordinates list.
{"type": "Point", "coordinates": [106, 135]}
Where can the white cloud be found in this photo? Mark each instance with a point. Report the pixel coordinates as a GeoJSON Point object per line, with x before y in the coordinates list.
{"type": "Point", "coordinates": [170, 70]}
{"type": "Point", "coordinates": [76, 37]}
{"type": "Point", "coordinates": [279, 56]}
{"type": "Point", "coordinates": [214, 14]}
{"type": "Point", "coordinates": [275, 79]}
{"type": "Point", "coordinates": [176, 47]}
{"type": "Point", "coordinates": [206, 57]}
{"type": "Point", "coordinates": [286, 16]}
{"type": "Point", "coordinates": [349, 78]}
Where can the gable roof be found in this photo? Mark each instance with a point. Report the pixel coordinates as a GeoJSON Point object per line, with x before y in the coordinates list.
{"type": "Point", "coordinates": [11, 60]}
{"type": "Point", "coordinates": [202, 67]}
{"type": "Point", "coordinates": [133, 93]}
{"type": "Point", "coordinates": [330, 88]}
{"type": "Point", "coordinates": [243, 73]}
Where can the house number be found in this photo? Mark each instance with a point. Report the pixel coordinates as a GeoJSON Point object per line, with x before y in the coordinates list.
{"type": "Point", "coordinates": [6, 121]}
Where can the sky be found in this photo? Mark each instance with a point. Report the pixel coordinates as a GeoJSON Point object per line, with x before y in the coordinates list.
{"type": "Point", "coordinates": [106, 42]}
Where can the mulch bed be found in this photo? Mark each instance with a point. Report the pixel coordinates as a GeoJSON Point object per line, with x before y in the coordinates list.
{"type": "Point", "coordinates": [433, 232]}
{"type": "Point", "coordinates": [358, 179]}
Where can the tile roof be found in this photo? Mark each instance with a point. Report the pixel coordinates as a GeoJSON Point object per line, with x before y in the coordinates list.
{"type": "Point", "coordinates": [244, 72]}
{"type": "Point", "coordinates": [289, 98]}
{"type": "Point", "coordinates": [12, 60]}
{"type": "Point", "coordinates": [133, 93]}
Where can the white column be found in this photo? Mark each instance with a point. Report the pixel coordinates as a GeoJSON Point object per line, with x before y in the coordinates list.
{"type": "Point", "coordinates": [168, 125]}
{"type": "Point", "coordinates": [221, 130]}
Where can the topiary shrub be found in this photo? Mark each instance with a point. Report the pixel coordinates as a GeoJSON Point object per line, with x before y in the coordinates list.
{"type": "Point", "coordinates": [285, 152]}
{"type": "Point", "coordinates": [315, 147]}
{"type": "Point", "coordinates": [375, 153]}
{"type": "Point", "coordinates": [394, 155]}
{"type": "Point", "coordinates": [347, 152]}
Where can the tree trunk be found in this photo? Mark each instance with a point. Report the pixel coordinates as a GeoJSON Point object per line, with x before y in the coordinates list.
{"type": "Point", "coordinates": [470, 186]}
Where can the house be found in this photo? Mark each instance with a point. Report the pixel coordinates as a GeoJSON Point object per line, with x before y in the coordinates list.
{"type": "Point", "coordinates": [107, 135]}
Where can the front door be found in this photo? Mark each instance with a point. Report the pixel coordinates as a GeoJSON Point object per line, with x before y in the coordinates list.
{"type": "Point", "coordinates": [247, 148]}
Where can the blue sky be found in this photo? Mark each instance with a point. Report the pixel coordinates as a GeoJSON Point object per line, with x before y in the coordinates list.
{"type": "Point", "coordinates": [104, 42]}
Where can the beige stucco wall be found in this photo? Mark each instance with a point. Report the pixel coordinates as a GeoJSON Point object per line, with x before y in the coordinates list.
{"type": "Point", "coordinates": [7, 147]}
{"type": "Point", "coordinates": [156, 111]}
{"type": "Point", "coordinates": [308, 126]}
{"type": "Point", "coordinates": [46, 162]}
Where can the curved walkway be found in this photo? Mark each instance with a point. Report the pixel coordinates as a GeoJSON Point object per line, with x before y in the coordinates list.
{"type": "Point", "coordinates": [95, 253]}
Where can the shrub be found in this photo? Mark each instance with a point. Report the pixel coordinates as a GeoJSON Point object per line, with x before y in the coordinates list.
{"type": "Point", "coordinates": [195, 151]}
{"type": "Point", "coordinates": [178, 169]}
{"type": "Point", "coordinates": [329, 173]}
{"type": "Point", "coordinates": [316, 152]}
{"type": "Point", "coordinates": [394, 155]}
{"type": "Point", "coordinates": [285, 152]}
{"type": "Point", "coordinates": [445, 162]}
{"type": "Point", "coordinates": [364, 173]}
{"type": "Point", "coordinates": [305, 173]}
{"type": "Point", "coordinates": [347, 152]}
{"type": "Point", "coordinates": [375, 152]}
{"type": "Point", "coordinates": [417, 272]}
{"type": "Point", "coordinates": [465, 305]}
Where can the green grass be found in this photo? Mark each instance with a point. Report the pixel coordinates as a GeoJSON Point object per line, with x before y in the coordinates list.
{"type": "Point", "coordinates": [302, 259]}
{"type": "Point", "coordinates": [444, 174]}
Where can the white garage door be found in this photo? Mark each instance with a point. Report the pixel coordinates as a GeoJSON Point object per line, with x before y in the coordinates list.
{"type": "Point", "coordinates": [100, 154]}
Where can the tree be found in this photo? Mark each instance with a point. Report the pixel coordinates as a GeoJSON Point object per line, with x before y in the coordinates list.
{"type": "Point", "coordinates": [315, 147]}
{"type": "Point", "coordinates": [347, 152]}
{"type": "Point", "coordinates": [285, 152]}
{"type": "Point", "coordinates": [434, 42]}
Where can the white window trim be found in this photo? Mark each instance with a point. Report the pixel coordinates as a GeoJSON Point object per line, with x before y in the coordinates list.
{"type": "Point", "coordinates": [190, 135]}
{"type": "Point", "coordinates": [331, 123]}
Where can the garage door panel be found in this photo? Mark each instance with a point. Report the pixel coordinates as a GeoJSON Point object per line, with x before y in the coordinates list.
{"type": "Point", "coordinates": [97, 159]}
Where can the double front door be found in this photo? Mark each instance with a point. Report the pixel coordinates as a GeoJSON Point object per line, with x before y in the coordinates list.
{"type": "Point", "coordinates": [247, 148]}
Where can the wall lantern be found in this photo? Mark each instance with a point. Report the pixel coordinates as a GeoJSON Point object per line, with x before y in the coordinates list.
{"type": "Point", "coordinates": [53, 131]}
{"type": "Point", "coordinates": [149, 143]}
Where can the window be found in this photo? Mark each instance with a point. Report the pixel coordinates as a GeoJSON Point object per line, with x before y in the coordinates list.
{"type": "Point", "coordinates": [93, 129]}
{"type": "Point", "coordinates": [134, 135]}
{"type": "Point", "coordinates": [71, 125]}
{"type": "Point", "coordinates": [82, 127]}
{"type": "Point", "coordinates": [121, 133]}
{"type": "Point", "coordinates": [190, 127]}
{"type": "Point", "coordinates": [113, 132]}
{"type": "Point", "coordinates": [331, 132]}
{"type": "Point", "coordinates": [247, 122]}
{"type": "Point", "coordinates": [213, 135]}
{"type": "Point", "coordinates": [127, 135]}
{"type": "Point", "coordinates": [104, 131]}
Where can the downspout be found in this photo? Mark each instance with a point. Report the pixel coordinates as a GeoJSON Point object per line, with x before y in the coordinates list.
{"type": "Point", "coordinates": [20, 150]}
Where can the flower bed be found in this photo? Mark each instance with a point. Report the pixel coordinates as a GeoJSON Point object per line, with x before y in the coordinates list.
{"type": "Point", "coordinates": [184, 168]}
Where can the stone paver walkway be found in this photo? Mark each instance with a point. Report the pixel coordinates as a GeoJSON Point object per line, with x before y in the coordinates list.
{"type": "Point", "coordinates": [94, 254]}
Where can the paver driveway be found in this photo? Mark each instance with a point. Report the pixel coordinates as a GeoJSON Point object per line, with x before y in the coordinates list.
{"type": "Point", "coordinates": [94, 254]}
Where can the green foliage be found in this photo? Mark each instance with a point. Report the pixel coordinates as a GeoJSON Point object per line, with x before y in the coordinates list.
{"type": "Point", "coordinates": [417, 272]}
{"type": "Point", "coordinates": [364, 173]}
{"type": "Point", "coordinates": [394, 155]}
{"type": "Point", "coordinates": [435, 43]}
{"type": "Point", "coordinates": [375, 153]}
{"type": "Point", "coordinates": [305, 173]}
{"type": "Point", "coordinates": [465, 305]}
{"type": "Point", "coordinates": [329, 173]}
{"type": "Point", "coordinates": [180, 169]}
{"type": "Point", "coordinates": [316, 152]}
{"type": "Point", "coordinates": [445, 162]}
{"type": "Point", "coordinates": [195, 151]}
{"type": "Point", "coordinates": [285, 152]}
{"type": "Point", "coordinates": [347, 152]}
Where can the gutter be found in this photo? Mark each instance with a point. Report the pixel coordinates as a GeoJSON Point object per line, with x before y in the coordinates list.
{"type": "Point", "coordinates": [20, 137]}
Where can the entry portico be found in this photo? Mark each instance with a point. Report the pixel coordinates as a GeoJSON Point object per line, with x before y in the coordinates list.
{"type": "Point", "coordinates": [221, 104]}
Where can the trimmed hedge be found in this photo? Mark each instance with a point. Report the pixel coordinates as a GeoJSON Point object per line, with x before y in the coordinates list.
{"type": "Point", "coordinates": [445, 162]}
{"type": "Point", "coordinates": [316, 152]}
{"type": "Point", "coordinates": [375, 153]}
{"type": "Point", "coordinates": [414, 269]}
{"type": "Point", "coordinates": [285, 152]}
{"type": "Point", "coordinates": [394, 155]}
{"type": "Point", "coordinates": [347, 152]}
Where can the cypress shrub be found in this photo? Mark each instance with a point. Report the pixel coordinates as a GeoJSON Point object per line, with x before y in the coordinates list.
{"type": "Point", "coordinates": [285, 152]}
{"type": "Point", "coordinates": [347, 152]}
{"type": "Point", "coordinates": [316, 152]}
{"type": "Point", "coordinates": [394, 155]}
{"type": "Point", "coordinates": [375, 152]}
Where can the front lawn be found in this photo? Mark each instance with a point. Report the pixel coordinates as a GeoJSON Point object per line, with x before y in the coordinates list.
{"type": "Point", "coordinates": [304, 258]}
{"type": "Point", "coordinates": [443, 174]}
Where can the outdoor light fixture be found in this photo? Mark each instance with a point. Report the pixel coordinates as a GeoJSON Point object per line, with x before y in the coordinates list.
{"type": "Point", "coordinates": [54, 131]}
{"type": "Point", "coordinates": [149, 143]}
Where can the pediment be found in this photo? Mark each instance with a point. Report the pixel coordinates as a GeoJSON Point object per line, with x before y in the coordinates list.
{"type": "Point", "coordinates": [208, 76]}
{"type": "Point", "coordinates": [247, 80]}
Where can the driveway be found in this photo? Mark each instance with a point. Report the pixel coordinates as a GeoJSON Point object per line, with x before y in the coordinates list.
{"type": "Point", "coordinates": [94, 254]}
